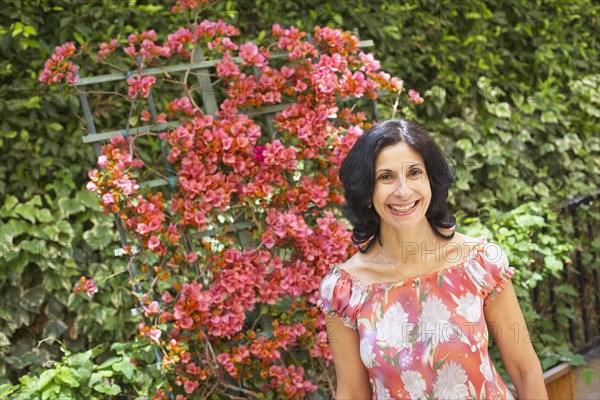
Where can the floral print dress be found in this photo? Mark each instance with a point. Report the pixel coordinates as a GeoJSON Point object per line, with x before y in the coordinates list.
{"type": "Point", "coordinates": [425, 338]}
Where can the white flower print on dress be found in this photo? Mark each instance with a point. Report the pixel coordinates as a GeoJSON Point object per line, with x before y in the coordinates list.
{"type": "Point", "coordinates": [469, 307]}
{"type": "Point", "coordinates": [328, 284]}
{"type": "Point", "coordinates": [382, 392]}
{"type": "Point", "coordinates": [476, 272]}
{"type": "Point", "coordinates": [414, 384]}
{"type": "Point", "coordinates": [451, 383]}
{"type": "Point", "coordinates": [394, 327]}
{"type": "Point", "coordinates": [433, 322]}
{"type": "Point", "coordinates": [357, 295]}
{"type": "Point", "coordinates": [366, 352]}
{"type": "Point", "coordinates": [486, 368]}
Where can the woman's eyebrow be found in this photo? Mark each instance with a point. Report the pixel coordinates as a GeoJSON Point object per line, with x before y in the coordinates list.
{"type": "Point", "coordinates": [409, 164]}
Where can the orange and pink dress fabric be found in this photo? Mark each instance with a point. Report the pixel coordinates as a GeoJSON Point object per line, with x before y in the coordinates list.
{"type": "Point", "coordinates": [425, 338]}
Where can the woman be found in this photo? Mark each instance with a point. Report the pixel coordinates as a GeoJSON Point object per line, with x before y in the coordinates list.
{"type": "Point", "coordinates": [408, 315]}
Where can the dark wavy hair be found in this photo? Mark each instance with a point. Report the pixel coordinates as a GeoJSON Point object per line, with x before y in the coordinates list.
{"type": "Point", "coordinates": [357, 174]}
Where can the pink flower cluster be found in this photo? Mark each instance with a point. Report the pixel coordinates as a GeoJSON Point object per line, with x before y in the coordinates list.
{"type": "Point", "coordinates": [147, 47]}
{"type": "Point", "coordinates": [415, 97]}
{"type": "Point", "coordinates": [253, 221]}
{"type": "Point", "coordinates": [138, 84]}
{"type": "Point", "coordinates": [86, 286]}
{"type": "Point", "coordinates": [146, 117]}
{"type": "Point", "coordinates": [217, 35]}
{"type": "Point", "coordinates": [107, 48]}
{"type": "Point", "coordinates": [252, 55]}
{"type": "Point", "coordinates": [116, 182]}
{"type": "Point", "coordinates": [183, 104]}
{"type": "Point", "coordinates": [292, 379]}
{"type": "Point", "coordinates": [292, 40]}
{"type": "Point", "coordinates": [184, 5]}
{"type": "Point", "coordinates": [57, 67]}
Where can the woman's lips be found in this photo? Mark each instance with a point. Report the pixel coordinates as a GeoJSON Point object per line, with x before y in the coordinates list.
{"type": "Point", "coordinates": [406, 209]}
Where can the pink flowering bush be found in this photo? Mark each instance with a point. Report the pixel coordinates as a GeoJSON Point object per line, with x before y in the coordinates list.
{"type": "Point", "coordinates": [232, 256]}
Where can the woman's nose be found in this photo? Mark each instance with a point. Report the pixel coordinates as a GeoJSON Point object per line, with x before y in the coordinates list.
{"type": "Point", "coordinates": [402, 190]}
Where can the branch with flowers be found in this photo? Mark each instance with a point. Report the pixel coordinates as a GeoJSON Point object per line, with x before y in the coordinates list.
{"type": "Point", "coordinates": [233, 255]}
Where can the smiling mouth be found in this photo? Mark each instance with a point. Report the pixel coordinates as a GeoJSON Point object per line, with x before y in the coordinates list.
{"type": "Point", "coordinates": [405, 208]}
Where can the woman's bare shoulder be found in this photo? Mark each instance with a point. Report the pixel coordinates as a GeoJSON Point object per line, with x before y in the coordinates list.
{"type": "Point", "coordinates": [459, 246]}
{"type": "Point", "coordinates": [354, 264]}
{"type": "Point", "coordinates": [464, 240]}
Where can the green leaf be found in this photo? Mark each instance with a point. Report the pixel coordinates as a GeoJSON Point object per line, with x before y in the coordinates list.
{"type": "Point", "coordinates": [81, 358]}
{"type": "Point", "coordinates": [529, 220]}
{"type": "Point", "coordinates": [553, 264]}
{"type": "Point", "coordinates": [52, 390]}
{"type": "Point", "coordinates": [125, 367]}
{"type": "Point", "coordinates": [577, 360]}
{"type": "Point", "coordinates": [6, 389]}
{"type": "Point", "coordinates": [29, 30]}
{"type": "Point", "coordinates": [44, 215]}
{"type": "Point", "coordinates": [69, 206]}
{"type": "Point", "coordinates": [27, 211]}
{"type": "Point", "coordinates": [79, 38]}
{"type": "Point", "coordinates": [88, 199]}
{"type": "Point", "coordinates": [110, 389]}
{"type": "Point", "coordinates": [17, 29]}
{"type": "Point", "coordinates": [548, 117]}
{"type": "Point", "coordinates": [109, 363]}
{"type": "Point", "coordinates": [10, 134]}
{"type": "Point", "coordinates": [9, 202]}
{"type": "Point", "coordinates": [501, 110]}
{"type": "Point", "coordinates": [100, 235]}
{"type": "Point", "coordinates": [45, 378]}
{"type": "Point", "coordinates": [94, 378]}
{"type": "Point", "coordinates": [82, 374]}
{"type": "Point", "coordinates": [55, 126]}
{"type": "Point", "coordinates": [587, 375]}
{"type": "Point", "coordinates": [465, 145]}
{"type": "Point", "coordinates": [133, 120]}
{"type": "Point", "coordinates": [66, 376]}
{"type": "Point", "coordinates": [65, 228]}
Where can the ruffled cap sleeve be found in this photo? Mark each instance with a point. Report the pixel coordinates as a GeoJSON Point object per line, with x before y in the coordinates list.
{"type": "Point", "coordinates": [341, 296]}
{"type": "Point", "coordinates": [497, 270]}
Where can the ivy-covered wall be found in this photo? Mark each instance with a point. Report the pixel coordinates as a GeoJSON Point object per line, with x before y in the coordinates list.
{"type": "Point", "coordinates": [511, 92]}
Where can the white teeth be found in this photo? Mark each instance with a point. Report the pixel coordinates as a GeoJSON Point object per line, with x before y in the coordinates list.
{"type": "Point", "coordinates": [403, 209]}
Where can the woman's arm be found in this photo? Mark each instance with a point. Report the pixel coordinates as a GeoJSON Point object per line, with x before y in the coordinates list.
{"type": "Point", "coordinates": [352, 376]}
{"type": "Point", "coordinates": [507, 326]}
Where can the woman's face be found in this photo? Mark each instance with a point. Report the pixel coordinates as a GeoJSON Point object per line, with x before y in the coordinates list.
{"type": "Point", "coordinates": [402, 192]}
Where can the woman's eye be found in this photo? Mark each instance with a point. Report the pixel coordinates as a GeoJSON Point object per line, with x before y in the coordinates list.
{"type": "Point", "coordinates": [415, 172]}
{"type": "Point", "coordinates": [385, 177]}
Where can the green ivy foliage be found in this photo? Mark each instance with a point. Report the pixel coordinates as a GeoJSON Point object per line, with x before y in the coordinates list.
{"type": "Point", "coordinates": [512, 94]}
{"type": "Point", "coordinates": [82, 376]}
{"type": "Point", "coordinates": [51, 229]}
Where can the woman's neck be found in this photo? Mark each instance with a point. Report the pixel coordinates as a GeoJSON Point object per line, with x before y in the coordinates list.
{"type": "Point", "coordinates": [409, 246]}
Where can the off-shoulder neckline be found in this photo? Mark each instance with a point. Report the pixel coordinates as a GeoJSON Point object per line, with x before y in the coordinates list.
{"type": "Point", "coordinates": [469, 257]}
